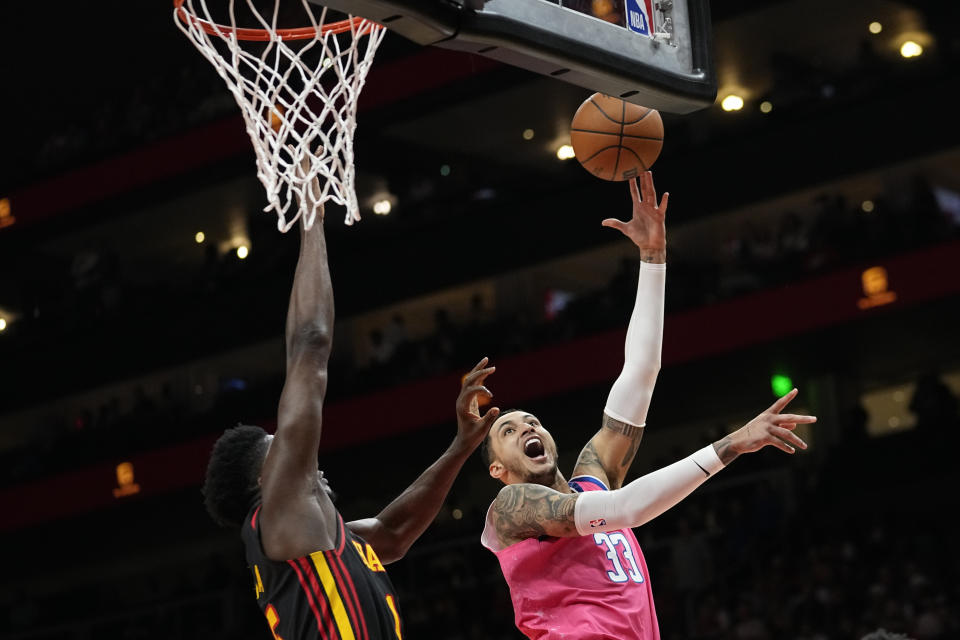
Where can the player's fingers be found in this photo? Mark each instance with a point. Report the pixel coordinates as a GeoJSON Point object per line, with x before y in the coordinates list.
{"type": "Point", "coordinates": [489, 417]}
{"type": "Point", "coordinates": [483, 362]}
{"type": "Point", "coordinates": [468, 397]}
{"type": "Point", "coordinates": [468, 393]}
{"type": "Point", "coordinates": [782, 401]}
{"type": "Point", "coordinates": [482, 376]}
{"type": "Point", "coordinates": [780, 444]}
{"type": "Point", "coordinates": [478, 390]}
{"type": "Point", "coordinates": [477, 376]}
{"type": "Point", "coordinates": [468, 403]}
{"type": "Point", "coordinates": [613, 223]}
{"type": "Point", "coordinates": [663, 202]}
{"type": "Point", "coordinates": [787, 436]}
{"type": "Point", "coordinates": [647, 192]}
{"type": "Point", "coordinates": [634, 191]}
{"type": "Point", "coordinates": [793, 419]}
{"type": "Point", "coordinates": [469, 377]}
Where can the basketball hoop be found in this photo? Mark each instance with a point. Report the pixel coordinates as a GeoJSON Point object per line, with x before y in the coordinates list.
{"type": "Point", "coordinates": [297, 89]}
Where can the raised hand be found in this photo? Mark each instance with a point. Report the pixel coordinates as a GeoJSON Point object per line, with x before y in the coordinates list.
{"type": "Point", "coordinates": [472, 428]}
{"type": "Point", "coordinates": [771, 428]}
{"type": "Point", "coordinates": [646, 228]}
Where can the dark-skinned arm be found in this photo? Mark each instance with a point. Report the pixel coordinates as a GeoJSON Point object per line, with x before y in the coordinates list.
{"type": "Point", "coordinates": [397, 527]}
{"type": "Point", "coordinates": [297, 518]}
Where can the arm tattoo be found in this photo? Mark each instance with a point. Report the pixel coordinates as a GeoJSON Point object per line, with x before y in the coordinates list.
{"type": "Point", "coordinates": [724, 452]}
{"type": "Point", "coordinates": [589, 460]}
{"type": "Point", "coordinates": [524, 511]}
{"type": "Point", "coordinates": [633, 432]}
{"type": "Point", "coordinates": [655, 256]}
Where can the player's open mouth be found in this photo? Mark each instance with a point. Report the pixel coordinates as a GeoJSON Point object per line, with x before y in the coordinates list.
{"type": "Point", "coordinates": [533, 448]}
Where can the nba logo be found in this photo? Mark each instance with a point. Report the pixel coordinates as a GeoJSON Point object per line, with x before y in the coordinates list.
{"type": "Point", "coordinates": [638, 19]}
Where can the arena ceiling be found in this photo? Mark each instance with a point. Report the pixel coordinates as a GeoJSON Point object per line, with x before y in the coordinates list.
{"type": "Point", "coordinates": [65, 71]}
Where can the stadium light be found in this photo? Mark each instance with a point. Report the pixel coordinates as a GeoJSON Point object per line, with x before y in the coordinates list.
{"type": "Point", "coordinates": [732, 102]}
{"type": "Point", "coordinates": [566, 152]}
{"type": "Point", "coordinates": [126, 485]}
{"type": "Point", "coordinates": [910, 49]}
{"type": "Point", "coordinates": [6, 215]}
{"type": "Point", "coordinates": [780, 384]}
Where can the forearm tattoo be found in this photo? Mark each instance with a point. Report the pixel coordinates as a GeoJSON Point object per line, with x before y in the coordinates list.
{"type": "Point", "coordinates": [633, 432]}
{"type": "Point", "coordinates": [524, 511]}
{"type": "Point", "coordinates": [724, 452]}
{"type": "Point", "coordinates": [654, 256]}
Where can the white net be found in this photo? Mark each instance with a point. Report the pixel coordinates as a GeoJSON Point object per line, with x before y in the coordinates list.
{"type": "Point", "coordinates": [297, 90]}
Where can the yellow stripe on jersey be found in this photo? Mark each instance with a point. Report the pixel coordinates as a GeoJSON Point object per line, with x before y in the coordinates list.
{"type": "Point", "coordinates": [259, 585]}
{"type": "Point", "coordinates": [333, 595]}
{"type": "Point", "coordinates": [396, 616]}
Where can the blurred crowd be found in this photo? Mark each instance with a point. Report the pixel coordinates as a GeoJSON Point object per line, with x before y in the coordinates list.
{"type": "Point", "coordinates": [814, 550]}
{"type": "Point", "coordinates": [87, 299]}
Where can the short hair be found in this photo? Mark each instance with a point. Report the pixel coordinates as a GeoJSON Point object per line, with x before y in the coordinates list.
{"type": "Point", "coordinates": [486, 451]}
{"type": "Point", "coordinates": [230, 487]}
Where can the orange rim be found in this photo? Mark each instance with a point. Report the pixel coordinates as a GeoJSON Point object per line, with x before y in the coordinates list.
{"type": "Point", "coordinates": [263, 35]}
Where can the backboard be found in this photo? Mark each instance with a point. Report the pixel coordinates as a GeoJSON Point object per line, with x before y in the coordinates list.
{"type": "Point", "coordinates": [657, 53]}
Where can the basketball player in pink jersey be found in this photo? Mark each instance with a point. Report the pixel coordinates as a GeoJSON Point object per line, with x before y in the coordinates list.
{"type": "Point", "coordinates": [573, 565]}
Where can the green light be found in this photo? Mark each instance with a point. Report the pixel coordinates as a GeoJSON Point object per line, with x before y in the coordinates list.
{"type": "Point", "coordinates": [780, 384]}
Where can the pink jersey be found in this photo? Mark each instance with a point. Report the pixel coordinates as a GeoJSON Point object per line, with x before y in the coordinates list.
{"type": "Point", "coordinates": [588, 587]}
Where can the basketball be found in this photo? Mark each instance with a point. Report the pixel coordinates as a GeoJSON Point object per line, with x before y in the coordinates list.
{"type": "Point", "coordinates": [614, 139]}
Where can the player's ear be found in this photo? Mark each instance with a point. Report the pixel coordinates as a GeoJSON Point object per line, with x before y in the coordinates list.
{"type": "Point", "coordinates": [496, 469]}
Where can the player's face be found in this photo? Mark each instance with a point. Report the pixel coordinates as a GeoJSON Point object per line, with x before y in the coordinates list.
{"type": "Point", "coordinates": [523, 450]}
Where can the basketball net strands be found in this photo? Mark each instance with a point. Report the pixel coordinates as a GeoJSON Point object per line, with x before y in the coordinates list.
{"type": "Point", "coordinates": [297, 90]}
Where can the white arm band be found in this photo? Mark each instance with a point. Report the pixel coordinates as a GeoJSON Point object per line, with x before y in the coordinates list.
{"type": "Point", "coordinates": [629, 397]}
{"type": "Point", "coordinates": [645, 498]}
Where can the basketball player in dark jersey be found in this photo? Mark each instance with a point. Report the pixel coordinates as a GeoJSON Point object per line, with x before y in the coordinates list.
{"type": "Point", "coordinates": [316, 576]}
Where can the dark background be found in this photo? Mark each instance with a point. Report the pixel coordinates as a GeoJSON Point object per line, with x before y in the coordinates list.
{"type": "Point", "coordinates": [126, 341]}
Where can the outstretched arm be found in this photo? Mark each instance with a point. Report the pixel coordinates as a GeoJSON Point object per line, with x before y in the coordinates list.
{"type": "Point", "coordinates": [405, 519]}
{"type": "Point", "coordinates": [297, 517]}
{"type": "Point", "coordinates": [611, 451]}
{"type": "Point", "coordinates": [528, 510]}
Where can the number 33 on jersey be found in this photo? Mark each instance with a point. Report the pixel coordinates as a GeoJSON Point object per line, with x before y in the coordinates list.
{"type": "Point", "coordinates": [624, 565]}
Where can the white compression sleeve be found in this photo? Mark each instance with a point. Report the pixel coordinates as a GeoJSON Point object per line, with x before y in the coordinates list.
{"type": "Point", "coordinates": [645, 498]}
{"type": "Point", "coordinates": [629, 397]}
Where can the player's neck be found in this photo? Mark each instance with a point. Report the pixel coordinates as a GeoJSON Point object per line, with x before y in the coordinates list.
{"type": "Point", "coordinates": [560, 484]}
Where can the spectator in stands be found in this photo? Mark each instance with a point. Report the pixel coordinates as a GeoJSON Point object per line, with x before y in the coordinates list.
{"type": "Point", "coordinates": [395, 336]}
